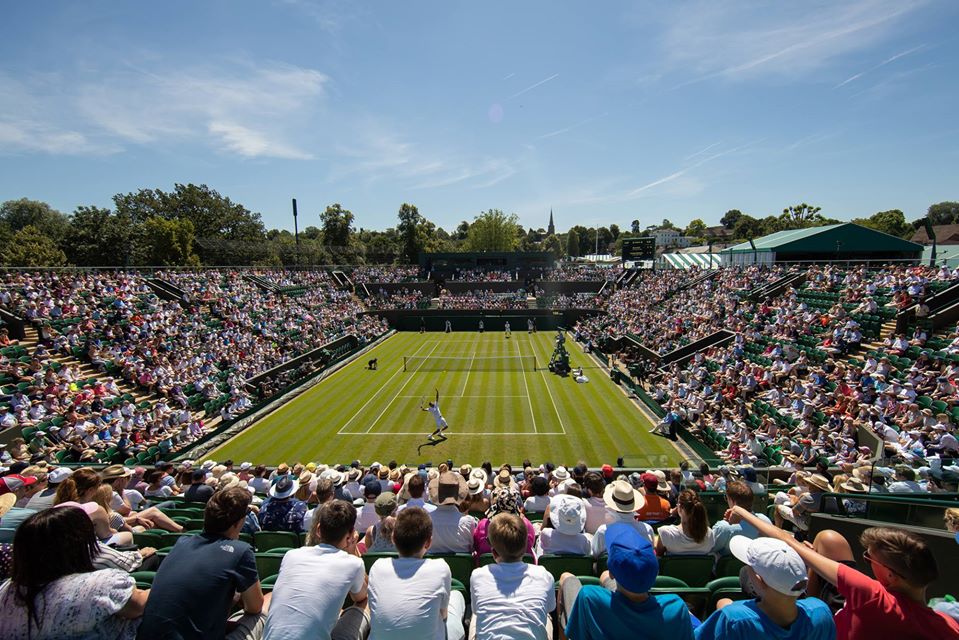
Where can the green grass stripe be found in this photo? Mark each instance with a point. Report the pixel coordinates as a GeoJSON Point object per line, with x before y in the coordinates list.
{"type": "Point", "coordinates": [374, 415]}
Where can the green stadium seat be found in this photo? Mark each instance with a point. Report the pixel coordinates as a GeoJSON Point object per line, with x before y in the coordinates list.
{"type": "Point", "coordinates": [268, 564]}
{"type": "Point", "coordinates": [144, 579]}
{"type": "Point", "coordinates": [148, 539]}
{"type": "Point", "coordinates": [268, 583]}
{"type": "Point", "coordinates": [266, 540]}
{"type": "Point", "coordinates": [461, 564]}
{"type": "Point", "coordinates": [370, 558]}
{"type": "Point", "coordinates": [694, 570]}
{"type": "Point", "coordinates": [557, 565]}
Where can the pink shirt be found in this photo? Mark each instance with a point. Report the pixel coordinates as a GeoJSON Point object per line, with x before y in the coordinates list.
{"type": "Point", "coordinates": [481, 543]}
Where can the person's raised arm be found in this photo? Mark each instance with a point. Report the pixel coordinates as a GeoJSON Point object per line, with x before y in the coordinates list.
{"type": "Point", "coordinates": [825, 567]}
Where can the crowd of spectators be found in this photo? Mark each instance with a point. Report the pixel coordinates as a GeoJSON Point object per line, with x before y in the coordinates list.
{"type": "Point", "coordinates": [191, 357]}
{"type": "Point", "coordinates": [582, 300]}
{"type": "Point", "coordinates": [74, 546]}
{"type": "Point", "coordinates": [573, 272]}
{"type": "Point", "coordinates": [404, 299]}
{"type": "Point", "coordinates": [482, 275]}
{"type": "Point", "coordinates": [483, 299]}
{"type": "Point", "coordinates": [376, 273]}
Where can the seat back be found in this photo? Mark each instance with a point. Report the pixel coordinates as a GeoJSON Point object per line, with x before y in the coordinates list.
{"type": "Point", "coordinates": [694, 570]}
{"type": "Point", "coordinates": [266, 540]}
{"type": "Point", "coordinates": [370, 558]}
{"type": "Point", "coordinates": [268, 564]}
{"type": "Point", "coordinates": [559, 564]}
{"type": "Point", "coordinates": [461, 564]}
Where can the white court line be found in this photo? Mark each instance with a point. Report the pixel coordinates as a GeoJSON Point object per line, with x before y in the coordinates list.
{"type": "Point", "coordinates": [468, 372]}
{"type": "Point", "coordinates": [447, 433]}
{"type": "Point", "coordinates": [458, 397]}
{"type": "Point", "coordinates": [528, 397]}
{"type": "Point", "coordinates": [408, 380]}
{"type": "Point", "coordinates": [551, 399]}
{"type": "Point", "coordinates": [373, 396]}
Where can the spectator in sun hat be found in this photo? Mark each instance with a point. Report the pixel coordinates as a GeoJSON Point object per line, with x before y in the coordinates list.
{"type": "Point", "coordinates": [622, 608]}
{"type": "Point", "coordinates": [565, 534]}
{"type": "Point", "coordinates": [452, 530]}
{"type": "Point", "coordinates": [379, 535]}
{"type": "Point", "coordinates": [558, 476]}
{"type": "Point", "coordinates": [502, 500]}
{"type": "Point", "coordinates": [777, 575]}
{"type": "Point", "coordinates": [622, 502]}
{"type": "Point", "coordinates": [281, 511]}
{"type": "Point", "coordinates": [478, 500]}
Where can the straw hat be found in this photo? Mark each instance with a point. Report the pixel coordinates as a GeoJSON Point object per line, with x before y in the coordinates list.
{"type": "Point", "coordinates": [819, 481]}
{"type": "Point", "coordinates": [620, 496]}
{"type": "Point", "coordinates": [854, 485]}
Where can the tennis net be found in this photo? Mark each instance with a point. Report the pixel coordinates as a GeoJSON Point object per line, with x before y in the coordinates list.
{"type": "Point", "coordinates": [478, 363]}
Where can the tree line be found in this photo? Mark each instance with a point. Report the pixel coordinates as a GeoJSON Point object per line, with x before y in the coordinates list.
{"type": "Point", "coordinates": [194, 225]}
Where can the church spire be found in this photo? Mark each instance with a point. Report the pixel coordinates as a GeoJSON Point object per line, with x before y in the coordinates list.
{"type": "Point", "coordinates": [551, 229]}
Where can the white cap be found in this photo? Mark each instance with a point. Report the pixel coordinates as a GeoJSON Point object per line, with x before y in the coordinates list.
{"type": "Point", "coordinates": [58, 475]}
{"type": "Point", "coordinates": [774, 561]}
{"type": "Point", "coordinates": [246, 465]}
{"type": "Point", "coordinates": [208, 464]}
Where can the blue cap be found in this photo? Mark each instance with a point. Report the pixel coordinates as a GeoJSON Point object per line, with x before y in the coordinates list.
{"type": "Point", "coordinates": [632, 561]}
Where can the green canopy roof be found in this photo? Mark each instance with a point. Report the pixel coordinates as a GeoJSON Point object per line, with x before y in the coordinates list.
{"type": "Point", "coordinates": [846, 238]}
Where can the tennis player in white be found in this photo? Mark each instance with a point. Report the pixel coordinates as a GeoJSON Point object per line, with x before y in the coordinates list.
{"type": "Point", "coordinates": [434, 409]}
{"type": "Point", "coordinates": [508, 332]}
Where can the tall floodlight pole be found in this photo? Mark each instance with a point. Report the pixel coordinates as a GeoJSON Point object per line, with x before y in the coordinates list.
{"type": "Point", "coordinates": [296, 233]}
{"type": "Point", "coordinates": [596, 251]}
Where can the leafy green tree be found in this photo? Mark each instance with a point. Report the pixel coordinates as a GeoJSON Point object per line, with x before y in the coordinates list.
{"type": "Point", "coordinates": [100, 237]}
{"type": "Point", "coordinates": [892, 222]}
{"type": "Point", "coordinates": [696, 228]}
{"type": "Point", "coordinates": [413, 231]}
{"type": "Point", "coordinates": [943, 213]}
{"type": "Point", "coordinates": [614, 231]}
{"type": "Point", "coordinates": [572, 244]}
{"type": "Point", "coordinates": [748, 227]}
{"type": "Point", "coordinates": [730, 218]}
{"type": "Point", "coordinates": [170, 243]}
{"type": "Point", "coordinates": [226, 232]}
{"type": "Point", "coordinates": [462, 231]}
{"type": "Point", "coordinates": [17, 214]}
{"type": "Point", "coordinates": [667, 224]}
{"type": "Point", "coordinates": [800, 215]}
{"type": "Point", "coordinates": [493, 230]}
{"type": "Point", "coordinates": [554, 245]}
{"type": "Point", "coordinates": [337, 225]}
{"type": "Point", "coordinates": [31, 247]}
{"type": "Point", "coordinates": [634, 227]}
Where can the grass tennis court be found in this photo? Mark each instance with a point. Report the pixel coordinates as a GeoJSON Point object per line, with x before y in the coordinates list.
{"type": "Point", "coordinates": [498, 409]}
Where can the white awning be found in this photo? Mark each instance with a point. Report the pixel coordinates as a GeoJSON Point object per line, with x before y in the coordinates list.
{"type": "Point", "coordinates": [689, 260]}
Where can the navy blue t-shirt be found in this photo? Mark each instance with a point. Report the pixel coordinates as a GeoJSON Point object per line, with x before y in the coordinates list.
{"type": "Point", "coordinates": [194, 587]}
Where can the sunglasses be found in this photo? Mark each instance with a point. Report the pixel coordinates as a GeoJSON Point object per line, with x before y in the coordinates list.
{"type": "Point", "coordinates": [868, 558]}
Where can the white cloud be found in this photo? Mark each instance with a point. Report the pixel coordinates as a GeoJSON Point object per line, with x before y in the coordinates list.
{"type": "Point", "coordinates": [251, 110]}
{"type": "Point", "coordinates": [742, 40]}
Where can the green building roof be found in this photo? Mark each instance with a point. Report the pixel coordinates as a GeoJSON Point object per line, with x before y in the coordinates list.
{"type": "Point", "coordinates": [845, 238]}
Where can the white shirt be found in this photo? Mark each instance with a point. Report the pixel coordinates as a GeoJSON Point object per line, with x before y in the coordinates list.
{"type": "Point", "coordinates": [676, 541]}
{"type": "Point", "coordinates": [536, 504]}
{"type": "Point", "coordinates": [512, 600]}
{"type": "Point", "coordinates": [452, 530]}
{"type": "Point", "coordinates": [595, 513]}
{"type": "Point", "coordinates": [437, 416]}
{"type": "Point", "coordinates": [406, 596]}
{"type": "Point", "coordinates": [599, 538]}
{"type": "Point", "coordinates": [366, 516]}
{"type": "Point", "coordinates": [310, 590]}
{"type": "Point", "coordinates": [552, 541]}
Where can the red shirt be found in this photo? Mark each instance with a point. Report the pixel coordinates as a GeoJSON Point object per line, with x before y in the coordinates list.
{"type": "Point", "coordinates": [871, 612]}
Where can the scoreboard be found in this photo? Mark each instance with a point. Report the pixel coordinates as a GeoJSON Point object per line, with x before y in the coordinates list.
{"type": "Point", "coordinates": [637, 249]}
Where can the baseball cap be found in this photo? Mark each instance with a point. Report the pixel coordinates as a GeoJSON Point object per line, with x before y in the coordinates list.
{"type": "Point", "coordinates": [385, 503]}
{"type": "Point", "coordinates": [13, 482]}
{"type": "Point", "coordinates": [632, 560]}
{"type": "Point", "coordinates": [774, 561]}
{"type": "Point", "coordinates": [58, 475]}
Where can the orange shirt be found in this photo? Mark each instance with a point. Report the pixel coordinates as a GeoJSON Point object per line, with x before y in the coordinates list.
{"type": "Point", "coordinates": [656, 508]}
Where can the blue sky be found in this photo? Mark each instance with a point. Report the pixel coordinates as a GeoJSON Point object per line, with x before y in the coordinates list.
{"type": "Point", "coordinates": [604, 112]}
